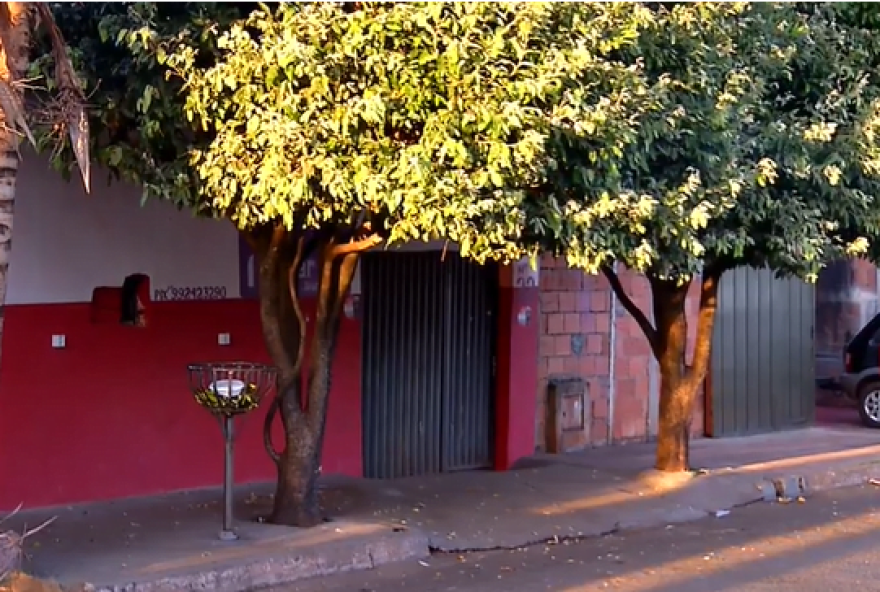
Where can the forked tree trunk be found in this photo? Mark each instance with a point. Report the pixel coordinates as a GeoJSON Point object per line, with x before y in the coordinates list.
{"type": "Point", "coordinates": [298, 463]}
{"type": "Point", "coordinates": [680, 382]}
{"type": "Point", "coordinates": [16, 47]}
{"type": "Point", "coordinates": [299, 466]}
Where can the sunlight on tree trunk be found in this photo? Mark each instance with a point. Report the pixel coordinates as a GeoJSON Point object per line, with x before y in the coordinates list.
{"type": "Point", "coordinates": [677, 391]}
{"type": "Point", "coordinates": [680, 382]}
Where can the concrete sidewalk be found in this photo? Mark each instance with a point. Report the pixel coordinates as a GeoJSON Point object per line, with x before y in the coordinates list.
{"type": "Point", "coordinates": [168, 542]}
{"type": "Point", "coordinates": [604, 490]}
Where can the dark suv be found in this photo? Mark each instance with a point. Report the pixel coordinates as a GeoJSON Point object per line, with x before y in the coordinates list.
{"type": "Point", "coordinates": [861, 377]}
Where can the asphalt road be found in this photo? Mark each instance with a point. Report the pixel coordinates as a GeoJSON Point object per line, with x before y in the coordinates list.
{"type": "Point", "coordinates": [830, 542]}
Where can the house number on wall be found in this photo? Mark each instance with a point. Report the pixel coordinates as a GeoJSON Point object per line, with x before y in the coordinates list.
{"type": "Point", "coordinates": [523, 274]}
{"type": "Point", "coordinates": [190, 293]}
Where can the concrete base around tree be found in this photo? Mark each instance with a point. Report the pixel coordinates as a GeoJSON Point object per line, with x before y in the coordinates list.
{"type": "Point", "coordinates": [170, 542]}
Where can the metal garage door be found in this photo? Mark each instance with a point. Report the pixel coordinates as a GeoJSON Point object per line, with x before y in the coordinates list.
{"type": "Point", "coordinates": [762, 376]}
{"type": "Point", "coordinates": [428, 347]}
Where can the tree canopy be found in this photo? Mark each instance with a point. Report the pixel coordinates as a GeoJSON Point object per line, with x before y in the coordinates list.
{"type": "Point", "coordinates": [666, 136]}
{"type": "Point", "coordinates": [751, 142]}
{"type": "Point", "coordinates": [429, 118]}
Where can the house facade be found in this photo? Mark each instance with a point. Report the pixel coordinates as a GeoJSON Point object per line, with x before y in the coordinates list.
{"type": "Point", "coordinates": [586, 334]}
{"type": "Point", "coordinates": [761, 375]}
{"type": "Point", "coordinates": [441, 365]}
{"type": "Point", "coordinates": [96, 409]}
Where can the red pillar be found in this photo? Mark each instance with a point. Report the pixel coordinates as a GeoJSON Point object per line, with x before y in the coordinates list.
{"type": "Point", "coordinates": [516, 372]}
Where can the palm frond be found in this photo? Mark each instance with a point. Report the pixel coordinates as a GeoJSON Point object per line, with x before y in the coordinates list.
{"type": "Point", "coordinates": [71, 98]}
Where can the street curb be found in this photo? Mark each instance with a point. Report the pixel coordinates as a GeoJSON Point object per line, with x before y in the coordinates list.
{"type": "Point", "coordinates": [713, 495]}
{"type": "Point", "coordinates": [795, 485]}
{"type": "Point", "coordinates": [264, 572]}
{"type": "Point", "coordinates": [732, 491]}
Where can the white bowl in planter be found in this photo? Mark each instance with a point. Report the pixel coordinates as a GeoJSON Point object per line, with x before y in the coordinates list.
{"type": "Point", "coordinates": [227, 388]}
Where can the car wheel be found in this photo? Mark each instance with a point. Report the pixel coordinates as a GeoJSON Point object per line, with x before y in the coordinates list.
{"type": "Point", "coordinates": [869, 404]}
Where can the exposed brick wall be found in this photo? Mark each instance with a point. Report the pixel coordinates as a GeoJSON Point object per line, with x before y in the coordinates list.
{"type": "Point", "coordinates": [846, 299]}
{"type": "Point", "coordinates": [637, 376]}
{"type": "Point", "coordinates": [576, 341]}
{"type": "Point", "coordinates": [575, 330]}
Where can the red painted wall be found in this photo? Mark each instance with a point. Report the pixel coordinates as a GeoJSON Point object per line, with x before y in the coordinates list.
{"type": "Point", "coordinates": [110, 415]}
{"type": "Point", "coordinates": [516, 373]}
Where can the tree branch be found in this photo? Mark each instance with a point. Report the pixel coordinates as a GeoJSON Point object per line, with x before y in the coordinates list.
{"type": "Point", "coordinates": [631, 307]}
{"type": "Point", "coordinates": [270, 305]}
{"type": "Point", "coordinates": [346, 275]}
{"type": "Point", "coordinates": [356, 246]}
{"type": "Point", "coordinates": [335, 284]}
{"type": "Point", "coordinates": [279, 401]}
{"type": "Point", "coordinates": [292, 276]}
{"type": "Point", "coordinates": [705, 323]}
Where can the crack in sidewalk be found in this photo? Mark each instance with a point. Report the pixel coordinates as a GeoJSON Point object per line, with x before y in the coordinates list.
{"type": "Point", "coordinates": [553, 540]}
{"type": "Point", "coordinates": [573, 538]}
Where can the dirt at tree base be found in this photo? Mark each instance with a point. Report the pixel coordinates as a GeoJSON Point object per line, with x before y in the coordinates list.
{"type": "Point", "coordinates": [20, 582]}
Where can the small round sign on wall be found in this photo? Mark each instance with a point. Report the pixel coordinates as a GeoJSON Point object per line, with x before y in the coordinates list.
{"type": "Point", "coordinates": [524, 316]}
{"type": "Point", "coordinates": [350, 308]}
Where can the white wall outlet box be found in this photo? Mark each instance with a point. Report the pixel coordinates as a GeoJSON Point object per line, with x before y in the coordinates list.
{"type": "Point", "coordinates": [223, 339]}
{"type": "Point", "coordinates": [59, 341]}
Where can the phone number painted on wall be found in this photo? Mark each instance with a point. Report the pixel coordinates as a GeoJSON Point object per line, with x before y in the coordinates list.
{"type": "Point", "coordinates": [190, 293]}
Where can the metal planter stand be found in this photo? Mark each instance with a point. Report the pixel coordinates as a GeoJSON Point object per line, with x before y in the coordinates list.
{"type": "Point", "coordinates": [227, 390]}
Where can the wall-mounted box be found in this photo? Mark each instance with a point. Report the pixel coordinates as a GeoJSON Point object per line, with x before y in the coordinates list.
{"type": "Point", "coordinates": [567, 426]}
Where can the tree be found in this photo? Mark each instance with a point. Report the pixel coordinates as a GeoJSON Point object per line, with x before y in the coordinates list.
{"type": "Point", "coordinates": [18, 21]}
{"type": "Point", "coordinates": [752, 143]}
{"type": "Point", "coordinates": [331, 128]}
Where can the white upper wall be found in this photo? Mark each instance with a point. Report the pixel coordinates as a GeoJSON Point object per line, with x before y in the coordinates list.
{"type": "Point", "coordinates": [66, 242]}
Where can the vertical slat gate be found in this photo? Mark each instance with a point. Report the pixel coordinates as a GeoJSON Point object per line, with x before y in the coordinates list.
{"type": "Point", "coordinates": [467, 401]}
{"type": "Point", "coordinates": [402, 384]}
{"type": "Point", "coordinates": [762, 358]}
{"type": "Point", "coordinates": [428, 339]}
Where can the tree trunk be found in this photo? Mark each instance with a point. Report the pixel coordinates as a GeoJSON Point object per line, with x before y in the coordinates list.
{"type": "Point", "coordinates": [679, 381]}
{"type": "Point", "coordinates": [296, 501]}
{"type": "Point", "coordinates": [296, 493]}
{"type": "Point", "coordinates": [284, 329]}
{"type": "Point", "coordinates": [17, 25]}
{"type": "Point", "coordinates": [677, 392]}
{"type": "Point", "coordinates": [8, 175]}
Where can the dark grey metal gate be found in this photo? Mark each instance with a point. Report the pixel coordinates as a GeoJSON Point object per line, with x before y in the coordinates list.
{"type": "Point", "coordinates": [428, 348]}
{"type": "Point", "coordinates": [762, 376]}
